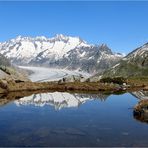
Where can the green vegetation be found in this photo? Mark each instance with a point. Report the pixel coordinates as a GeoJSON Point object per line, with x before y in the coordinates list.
{"type": "Point", "coordinates": [5, 69]}
{"type": "Point", "coordinates": [116, 80]}
{"type": "Point", "coordinates": [126, 70]}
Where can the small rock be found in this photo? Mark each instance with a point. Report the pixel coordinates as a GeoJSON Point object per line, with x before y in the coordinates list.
{"type": "Point", "coordinates": [98, 140]}
{"type": "Point", "coordinates": [77, 132]}
{"type": "Point", "coordinates": [125, 133]}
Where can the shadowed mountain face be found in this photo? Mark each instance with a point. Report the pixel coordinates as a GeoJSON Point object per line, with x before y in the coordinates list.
{"type": "Point", "coordinates": [60, 51]}
{"type": "Point", "coordinates": [4, 61]}
{"type": "Point", "coordinates": [8, 71]}
{"type": "Point", "coordinates": [134, 64]}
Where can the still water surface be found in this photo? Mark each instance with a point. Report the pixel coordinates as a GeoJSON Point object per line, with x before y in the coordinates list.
{"type": "Point", "coordinates": [63, 119]}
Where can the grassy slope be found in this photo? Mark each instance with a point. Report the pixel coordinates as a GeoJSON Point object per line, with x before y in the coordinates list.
{"type": "Point", "coordinates": [127, 70]}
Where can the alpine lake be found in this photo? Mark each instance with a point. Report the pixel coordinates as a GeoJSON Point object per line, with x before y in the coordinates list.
{"type": "Point", "coordinates": [72, 119]}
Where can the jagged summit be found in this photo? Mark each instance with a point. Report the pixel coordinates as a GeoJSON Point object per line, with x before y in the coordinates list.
{"type": "Point", "coordinates": [61, 37]}
{"type": "Point", "coordinates": [57, 37]}
{"type": "Point", "coordinates": [103, 47]}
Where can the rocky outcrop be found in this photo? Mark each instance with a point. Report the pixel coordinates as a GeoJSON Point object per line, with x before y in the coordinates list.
{"type": "Point", "coordinates": [72, 78]}
{"type": "Point", "coordinates": [140, 112]}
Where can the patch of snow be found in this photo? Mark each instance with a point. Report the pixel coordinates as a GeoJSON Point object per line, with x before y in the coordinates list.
{"type": "Point", "coordinates": [115, 65]}
{"type": "Point", "coordinates": [83, 54]}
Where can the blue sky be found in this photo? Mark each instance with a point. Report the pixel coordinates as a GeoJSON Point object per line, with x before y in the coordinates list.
{"type": "Point", "coordinates": [121, 25]}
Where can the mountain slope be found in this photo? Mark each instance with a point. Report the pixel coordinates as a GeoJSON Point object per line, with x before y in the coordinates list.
{"type": "Point", "coordinates": [9, 72]}
{"type": "Point", "coordinates": [4, 61]}
{"type": "Point", "coordinates": [134, 64]}
{"type": "Point", "coordinates": [60, 51]}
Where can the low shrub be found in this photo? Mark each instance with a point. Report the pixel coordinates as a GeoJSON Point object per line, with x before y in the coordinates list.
{"type": "Point", "coordinates": [116, 80]}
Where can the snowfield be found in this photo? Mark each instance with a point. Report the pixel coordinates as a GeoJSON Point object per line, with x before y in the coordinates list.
{"type": "Point", "coordinates": [42, 74]}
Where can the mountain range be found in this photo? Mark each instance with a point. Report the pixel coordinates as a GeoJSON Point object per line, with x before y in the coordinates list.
{"type": "Point", "coordinates": [73, 53]}
{"type": "Point", "coordinates": [60, 52]}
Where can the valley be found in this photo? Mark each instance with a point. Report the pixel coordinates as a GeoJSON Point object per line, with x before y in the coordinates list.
{"type": "Point", "coordinates": [44, 74]}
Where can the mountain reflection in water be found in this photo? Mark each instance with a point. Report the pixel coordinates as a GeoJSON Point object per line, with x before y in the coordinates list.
{"type": "Point", "coordinates": [141, 95]}
{"type": "Point", "coordinates": [59, 99]}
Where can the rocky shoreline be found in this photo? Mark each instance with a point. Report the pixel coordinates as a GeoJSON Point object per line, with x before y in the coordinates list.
{"type": "Point", "coordinates": [7, 86]}
{"type": "Point", "coordinates": [140, 112]}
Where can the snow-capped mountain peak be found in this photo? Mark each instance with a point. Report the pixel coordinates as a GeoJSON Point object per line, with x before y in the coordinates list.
{"type": "Point", "coordinates": [61, 37]}
{"type": "Point", "coordinates": [18, 38]}
{"type": "Point", "coordinates": [42, 38]}
{"type": "Point", "coordinates": [62, 51]}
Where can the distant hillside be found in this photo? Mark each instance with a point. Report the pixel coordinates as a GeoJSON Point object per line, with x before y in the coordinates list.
{"type": "Point", "coordinates": [135, 64]}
